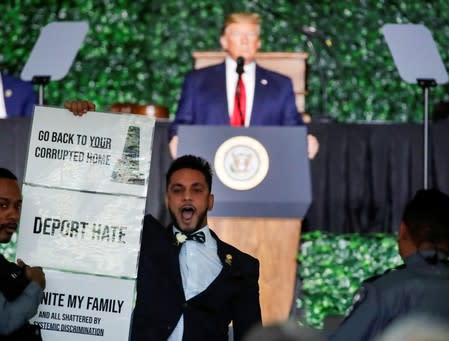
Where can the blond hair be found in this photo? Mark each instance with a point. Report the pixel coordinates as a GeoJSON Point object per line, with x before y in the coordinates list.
{"type": "Point", "coordinates": [241, 17]}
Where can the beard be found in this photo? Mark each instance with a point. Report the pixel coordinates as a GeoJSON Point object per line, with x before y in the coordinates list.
{"type": "Point", "coordinates": [199, 224]}
{"type": "Point", "coordinates": [5, 236]}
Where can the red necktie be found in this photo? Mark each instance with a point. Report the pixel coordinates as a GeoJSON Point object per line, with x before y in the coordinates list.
{"type": "Point", "coordinates": [238, 114]}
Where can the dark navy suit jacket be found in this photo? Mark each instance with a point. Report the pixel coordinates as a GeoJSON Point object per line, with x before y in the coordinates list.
{"type": "Point", "coordinates": [416, 287]}
{"type": "Point", "coordinates": [232, 296]}
{"type": "Point", "coordinates": [19, 96]}
{"type": "Point", "coordinates": [204, 101]}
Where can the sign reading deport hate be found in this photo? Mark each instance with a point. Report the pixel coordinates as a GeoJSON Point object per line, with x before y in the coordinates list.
{"type": "Point", "coordinates": [82, 232]}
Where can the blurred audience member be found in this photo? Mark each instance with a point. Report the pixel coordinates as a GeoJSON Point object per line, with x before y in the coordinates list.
{"type": "Point", "coordinates": [416, 328]}
{"type": "Point", "coordinates": [284, 331]}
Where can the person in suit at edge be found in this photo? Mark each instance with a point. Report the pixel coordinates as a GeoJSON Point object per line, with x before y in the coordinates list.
{"type": "Point", "coordinates": [21, 286]}
{"type": "Point", "coordinates": [208, 95]}
{"type": "Point", "coordinates": [17, 97]}
{"type": "Point", "coordinates": [190, 284]}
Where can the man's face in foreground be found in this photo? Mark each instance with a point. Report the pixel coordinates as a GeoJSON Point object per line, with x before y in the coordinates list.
{"type": "Point", "coordinates": [188, 199]}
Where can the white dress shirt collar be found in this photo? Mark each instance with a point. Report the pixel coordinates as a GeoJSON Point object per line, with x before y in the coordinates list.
{"type": "Point", "coordinates": [249, 78]}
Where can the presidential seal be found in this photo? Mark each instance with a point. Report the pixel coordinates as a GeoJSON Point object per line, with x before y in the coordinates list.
{"type": "Point", "coordinates": [241, 163]}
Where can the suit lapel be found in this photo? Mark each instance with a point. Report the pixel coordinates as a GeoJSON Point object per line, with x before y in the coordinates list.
{"type": "Point", "coordinates": [218, 97]}
{"type": "Point", "coordinates": [7, 100]}
{"type": "Point", "coordinates": [223, 251]}
{"type": "Point", "coordinates": [261, 93]}
{"type": "Point", "coordinates": [173, 258]}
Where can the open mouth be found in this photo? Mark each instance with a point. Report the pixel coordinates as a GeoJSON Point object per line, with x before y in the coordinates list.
{"type": "Point", "coordinates": [187, 212]}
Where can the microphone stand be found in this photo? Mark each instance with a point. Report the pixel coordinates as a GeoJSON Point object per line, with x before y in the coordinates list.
{"type": "Point", "coordinates": [41, 81]}
{"type": "Point", "coordinates": [322, 77]}
{"type": "Point", "coordinates": [312, 33]}
{"type": "Point", "coordinates": [426, 84]}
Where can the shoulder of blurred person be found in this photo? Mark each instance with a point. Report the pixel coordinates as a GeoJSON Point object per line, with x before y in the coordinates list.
{"type": "Point", "coordinates": [416, 328]}
{"type": "Point", "coordinates": [283, 331]}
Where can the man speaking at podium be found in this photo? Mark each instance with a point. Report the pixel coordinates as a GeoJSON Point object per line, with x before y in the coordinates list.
{"type": "Point", "coordinates": [237, 92]}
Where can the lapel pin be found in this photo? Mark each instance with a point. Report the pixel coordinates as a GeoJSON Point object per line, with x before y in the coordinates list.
{"type": "Point", "coordinates": [8, 93]}
{"type": "Point", "coordinates": [263, 81]}
{"type": "Point", "coordinates": [228, 259]}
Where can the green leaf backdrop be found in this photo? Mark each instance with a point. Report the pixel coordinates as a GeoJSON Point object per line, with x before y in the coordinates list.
{"type": "Point", "coordinates": [139, 51]}
{"type": "Point", "coordinates": [332, 267]}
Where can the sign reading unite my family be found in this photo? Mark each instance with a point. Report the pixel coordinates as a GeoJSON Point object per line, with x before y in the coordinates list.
{"type": "Point", "coordinates": [84, 191]}
{"type": "Point", "coordinates": [84, 307]}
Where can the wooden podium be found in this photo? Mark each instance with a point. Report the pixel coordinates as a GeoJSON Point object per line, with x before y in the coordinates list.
{"type": "Point", "coordinates": [262, 218]}
{"type": "Point", "coordinates": [274, 242]}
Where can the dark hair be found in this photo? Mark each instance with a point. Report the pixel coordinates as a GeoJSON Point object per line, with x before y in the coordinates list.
{"type": "Point", "coordinates": [7, 174]}
{"type": "Point", "coordinates": [191, 162]}
{"type": "Point", "coordinates": [427, 217]}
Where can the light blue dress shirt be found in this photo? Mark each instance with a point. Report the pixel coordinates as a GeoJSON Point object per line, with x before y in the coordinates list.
{"type": "Point", "coordinates": [199, 265]}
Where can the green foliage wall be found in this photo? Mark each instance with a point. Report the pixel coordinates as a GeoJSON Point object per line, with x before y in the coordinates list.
{"type": "Point", "coordinates": [140, 50]}
{"type": "Point", "coordinates": [332, 267]}
{"type": "Point", "coordinates": [9, 250]}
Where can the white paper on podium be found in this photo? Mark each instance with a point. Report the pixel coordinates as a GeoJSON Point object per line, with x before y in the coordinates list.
{"type": "Point", "coordinates": [415, 53]}
{"type": "Point", "coordinates": [55, 50]}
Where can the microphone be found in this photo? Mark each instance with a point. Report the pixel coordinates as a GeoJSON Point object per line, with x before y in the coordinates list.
{"type": "Point", "coordinates": [240, 62]}
{"type": "Point", "coordinates": [310, 30]}
{"type": "Point", "coordinates": [314, 32]}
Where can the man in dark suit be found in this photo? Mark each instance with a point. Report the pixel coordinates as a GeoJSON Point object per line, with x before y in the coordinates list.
{"type": "Point", "coordinates": [190, 284]}
{"type": "Point", "coordinates": [18, 97]}
{"type": "Point", "coordinates": [215, 95]}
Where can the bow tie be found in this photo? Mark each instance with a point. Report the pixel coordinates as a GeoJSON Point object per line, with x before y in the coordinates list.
{"type": "Point", "coordinates": [198, 237]}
